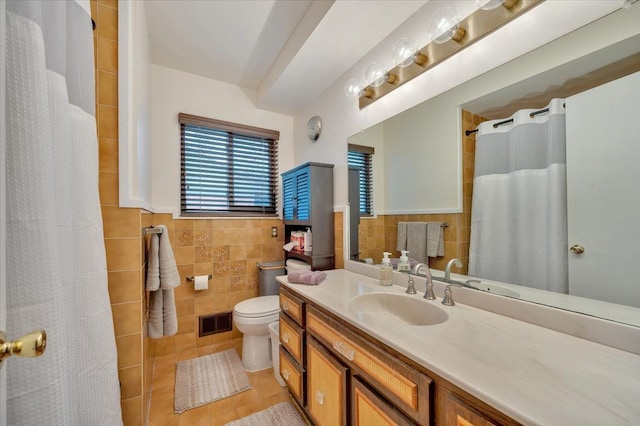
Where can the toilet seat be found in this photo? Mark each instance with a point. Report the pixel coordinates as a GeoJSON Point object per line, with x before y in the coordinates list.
{"type": "Point", "coordinates": [256, 307]}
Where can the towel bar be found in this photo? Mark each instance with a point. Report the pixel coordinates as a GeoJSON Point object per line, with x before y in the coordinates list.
{"type": "Point", "coordinates": [445, 225]}
{"type": "Point", "coordinates": [151, 230]}
{"type": "Point", "coordinates": [193, 278]}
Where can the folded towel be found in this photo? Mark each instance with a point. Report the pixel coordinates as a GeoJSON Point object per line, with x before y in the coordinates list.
{"type": "Point", "coordinates": [169, 277]}
{"type": "Point", "coordinates": [153, 264]}
{"type": "Point", "coordinates": [306, 277]}
{"type": "Point", "coordinates": [154, 325]}
{"type": "Point", "coordinates": [435, 239]}
{"type": "Point", "coordinates": [402, 236]}
{"type": "Point", "coordinates": [169, 315]}
{"type": "Point", "coordinates": [417, 240]}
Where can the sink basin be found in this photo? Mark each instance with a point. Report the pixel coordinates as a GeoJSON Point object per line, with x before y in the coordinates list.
{"type": "Point", "coordinates": [413, 310]}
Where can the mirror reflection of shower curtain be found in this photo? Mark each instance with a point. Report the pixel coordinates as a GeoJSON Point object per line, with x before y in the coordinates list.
{"type": "Point", "coordinates": [519, 208]}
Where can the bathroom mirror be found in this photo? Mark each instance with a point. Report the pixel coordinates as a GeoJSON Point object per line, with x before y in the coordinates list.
{"type": "Point", "coordinates": [495, 94]}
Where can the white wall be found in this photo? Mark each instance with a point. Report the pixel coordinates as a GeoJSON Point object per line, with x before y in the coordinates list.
{"type": "Point", "coordinates": [134, 65]}
{"type": "Point", "coordinates": [173, 92]}
{"type": "Point", "coordinates": [541, 25]}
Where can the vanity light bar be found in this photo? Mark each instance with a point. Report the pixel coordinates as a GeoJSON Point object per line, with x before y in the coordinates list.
{"type": "Point", "coordinates": [477, 25]}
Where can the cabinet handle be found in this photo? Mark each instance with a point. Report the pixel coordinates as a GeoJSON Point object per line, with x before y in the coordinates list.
{"type": "Point", "coordinates": [320, 397]}
{"type": "Point", "coordinates": [285, 337]}
{"type": "Point", "coordinates": [285, 306]}
{"type": "Point", "coordinates": [343, 349]}
{"type": "Point", "coordinates": [285, 374]}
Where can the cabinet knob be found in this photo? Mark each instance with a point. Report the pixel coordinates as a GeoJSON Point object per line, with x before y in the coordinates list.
{"type": "Point", "coordinates": [343, 349]}
{"type": "Point", "coordinates": [285, 306]}
{"type": "Point", "coordinates": [576, 249]}
{"type": "Point", "coordinates": [319, 397]}
{"type": "Point", "coordinates": [285, 374]}
{"type": "Point", "coordinates": [285, 337]}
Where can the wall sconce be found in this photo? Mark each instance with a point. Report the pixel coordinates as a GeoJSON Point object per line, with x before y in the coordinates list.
{"type": "Point", "coordinates": [449, 35]}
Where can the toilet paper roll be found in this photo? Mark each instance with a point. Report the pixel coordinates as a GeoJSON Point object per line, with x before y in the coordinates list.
{"type": "Point", "coordinates": [201, 282]}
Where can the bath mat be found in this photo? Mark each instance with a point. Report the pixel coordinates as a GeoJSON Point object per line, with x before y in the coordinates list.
{"type": "Point", "coordinates": [208, 378]}
{"type": "Point", "coordinates": [283, 413]}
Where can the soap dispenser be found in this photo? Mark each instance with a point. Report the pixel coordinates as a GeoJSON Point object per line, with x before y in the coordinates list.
{"type": "Point", "coordinates": [404, 264]}
{"type": "Point", "coordinates": [386, 270]}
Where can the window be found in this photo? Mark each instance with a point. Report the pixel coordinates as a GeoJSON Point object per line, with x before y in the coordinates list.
{"type": "Point", "coordinates": [227, 168]}
{"type": "Point", "coordinates": [361, 157]}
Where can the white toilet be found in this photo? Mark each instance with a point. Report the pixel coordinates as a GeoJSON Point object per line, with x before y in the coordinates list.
{"type": "Point", "coordinates": [252, 317]}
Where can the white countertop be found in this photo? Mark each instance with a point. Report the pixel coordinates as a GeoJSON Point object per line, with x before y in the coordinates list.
{"type": "Point", "coordinates": [535, 375]}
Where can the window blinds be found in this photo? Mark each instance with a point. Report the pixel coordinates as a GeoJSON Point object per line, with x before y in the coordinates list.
{"type": "Point", "coordinates": [227, 168]}
{"type": "Point", "coordinates": [361, 157]}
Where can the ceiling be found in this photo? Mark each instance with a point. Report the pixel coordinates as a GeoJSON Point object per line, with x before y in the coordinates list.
{"type": "Point", "coordinates": [288, 51]}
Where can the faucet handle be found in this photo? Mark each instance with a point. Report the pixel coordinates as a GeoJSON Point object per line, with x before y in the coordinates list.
{"type": "Point", "coordinates": [411, 287]}
{"type": "Point", "coordinates": [429, 294]}
{"type": "Point", "coordinates": [448, 297]}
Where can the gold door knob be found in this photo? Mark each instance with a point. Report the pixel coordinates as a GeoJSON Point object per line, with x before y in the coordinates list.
{"type": "Point", "coordinates": [30, 345]}
{"type": "Point", "coordinates": [576, 249]}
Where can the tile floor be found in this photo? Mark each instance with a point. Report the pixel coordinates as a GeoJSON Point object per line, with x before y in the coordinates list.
{"type": "Point", "coordinates": [264, 393]}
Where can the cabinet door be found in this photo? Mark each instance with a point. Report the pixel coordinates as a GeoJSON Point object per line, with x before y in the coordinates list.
{"type": "Point", "coordinates": [458, 413]}
{"type": "Point", "coordinates": [288, 194]}
{"type": "Point", "coordinates": [367, 408]}
{"type": "Point", "coordinates": [302, 209]}
{"type": "Point", "coordinates": [326, 386]}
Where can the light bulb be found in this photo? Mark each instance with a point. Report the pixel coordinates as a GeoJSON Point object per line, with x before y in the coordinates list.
{"type": "Point", "coordinates": [489, 4]}
{"type": "Point", "coordinates": [375, 75]}
{"type": "Point", "coordinates": [353, 88]}
{"type": "Point", "coordinates": [403, 52]}
{"type": "Point", "coordinates": [444, 25]}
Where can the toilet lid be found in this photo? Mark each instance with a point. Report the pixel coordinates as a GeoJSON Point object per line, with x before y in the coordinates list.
{"type": "Point", "coordinates": [258, 306]}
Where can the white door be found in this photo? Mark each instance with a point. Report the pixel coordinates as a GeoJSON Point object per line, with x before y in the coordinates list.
{"type": "Point", "coordinates": [603, 191]}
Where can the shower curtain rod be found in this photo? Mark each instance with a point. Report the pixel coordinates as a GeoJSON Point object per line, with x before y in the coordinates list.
{"type": "Point", "coordinates": [533, 114]}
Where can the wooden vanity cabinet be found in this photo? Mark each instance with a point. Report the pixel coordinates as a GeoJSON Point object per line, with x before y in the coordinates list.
{"type": "Point", "coordinates": [292, 345]}
{"type": "Point", "coordinates": [367, 408]}
{"type": "Point", "coordinates": [327, 390]}
{"type": "Point", "coordinates": [459, 413]}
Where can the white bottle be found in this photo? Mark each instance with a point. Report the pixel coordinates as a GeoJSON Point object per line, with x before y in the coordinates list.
{"type": "Point", "coordinates": [404, 264]}
{"type": "Point", "coordinates": [307, 240]}
{"type": "Point", "coordinates": [386, 270]}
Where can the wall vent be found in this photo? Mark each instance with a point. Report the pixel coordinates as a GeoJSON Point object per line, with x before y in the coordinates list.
{"type": "Point", "coordinates": [214, 324]}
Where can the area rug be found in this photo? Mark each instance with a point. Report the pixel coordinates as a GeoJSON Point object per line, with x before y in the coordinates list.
{"type": "Point", "coordinates": [208, 378]}
{"type": "Point", "coordinates": [280, 414]}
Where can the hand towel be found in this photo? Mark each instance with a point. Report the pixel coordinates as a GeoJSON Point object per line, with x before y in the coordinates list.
{"type": "Point", "coordinates": [154, 326]}
{"type": "Point", "coordinates": [169, 277]}
{"type": "Point", "coordinates": [153, 264]}
{"type": "Point", "coordinates": [306, 277]}
{"type": "Point", "coordinates": [435, 239]}
{"type": "Point", "coordinates": [417, 240]}
{"type": "Point", "coordinates": [169, 315]}
{"type": "Point", "coordinates": [402, 236]}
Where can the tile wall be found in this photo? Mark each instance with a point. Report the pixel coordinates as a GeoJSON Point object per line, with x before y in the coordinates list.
{"type": "Point", "coordinates": [379, 234]}
{"type": "Point", "coordinates": [122, 227]}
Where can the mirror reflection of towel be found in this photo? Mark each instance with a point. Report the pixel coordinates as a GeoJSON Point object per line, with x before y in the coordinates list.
{"type": "Point", "coordinates": [402, 236]}
{"type": "Point", "coordinates": [435, 239]}
{"type": "Point", "coordinates": [417, 241]}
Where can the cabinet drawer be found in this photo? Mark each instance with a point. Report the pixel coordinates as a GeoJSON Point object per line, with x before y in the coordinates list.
{"type": "Point", "coordinates": [403, 386]}
{"type": "Point", "coordinates": [458, 413]}
{"type": "Point", "coordinates": [292, 338]}
{"type": "Point", "coordinates": [326, 386]}
{"type": "Point", "coordinates": [292, 306]}
{"type": "Point", "coordinates": [369, 409]}
{"type": "Point", "coordinates": [293, 375]}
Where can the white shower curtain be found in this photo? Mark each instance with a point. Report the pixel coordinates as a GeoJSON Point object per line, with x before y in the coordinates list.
{"type": "Point", "coordinates": [56, 265]}
{"type": "Point", "coordinates": [519, 208]}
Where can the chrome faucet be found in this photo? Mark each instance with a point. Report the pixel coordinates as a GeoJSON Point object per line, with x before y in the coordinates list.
{"type": "Point", "coordinates": [447, 271]}
{"type": "Point", "coordinates": [411, 287]}
{"type": "Point", "coordinates": [429, 293]}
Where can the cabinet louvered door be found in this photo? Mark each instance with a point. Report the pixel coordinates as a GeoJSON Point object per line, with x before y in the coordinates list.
{"type": "Point", "coordinates": [326, 386]}
{"type": "Point", "coordinates": [288, 194]}
{"type": "Point", "coordinates": [303, 196]}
